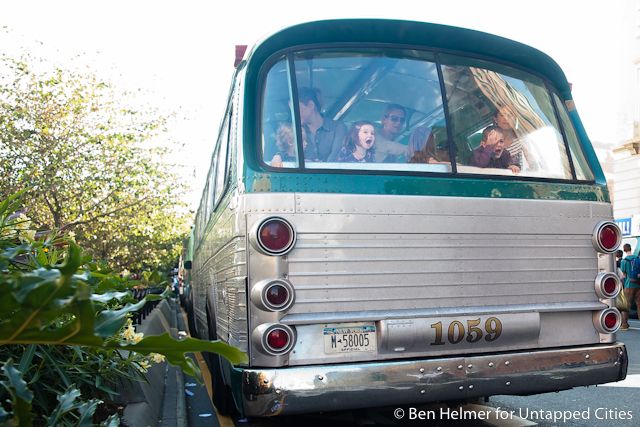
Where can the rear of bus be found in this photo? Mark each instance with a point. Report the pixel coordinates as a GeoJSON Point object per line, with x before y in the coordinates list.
{"type": "Point", "coordinates": [422, 277]}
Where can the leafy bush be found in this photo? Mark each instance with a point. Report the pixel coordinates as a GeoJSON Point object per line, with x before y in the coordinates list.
{"type": "Point", "coordinates": [64, 323]}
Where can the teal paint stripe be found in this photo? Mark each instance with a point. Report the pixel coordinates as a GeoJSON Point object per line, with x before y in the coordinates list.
{"type": "Point", "coordinates": [256, 181]}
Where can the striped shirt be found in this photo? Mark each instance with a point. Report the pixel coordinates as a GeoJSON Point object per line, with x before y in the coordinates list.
{"type": "Point", "coordinates": [515, 149]}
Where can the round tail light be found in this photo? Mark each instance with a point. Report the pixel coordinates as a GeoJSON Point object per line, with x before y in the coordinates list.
{"type": "Point", "coordinates": [608, 285]}
{"type": "Point", "coordinates": [277, 295]}
{"type": "Point", "coordinates": [277, 339]}
{"type": "Point", "coordinates": [274, 339]}
{"type": "Point", "coordinates": [273, 295]}
{"type": "Point", "coordinates": [607, 321]}
{"type": "Point", "coordinates": [606, 237]}
{"type": "Point", "coordinates": [273, 236]}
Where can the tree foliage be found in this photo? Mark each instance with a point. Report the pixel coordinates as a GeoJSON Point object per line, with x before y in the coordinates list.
{"type": "Point", "coordinates": [65, 331]}
{"type": "Point", "coordinates": [91, 165]}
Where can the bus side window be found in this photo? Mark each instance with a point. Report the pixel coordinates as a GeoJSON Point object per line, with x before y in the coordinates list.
{"type": "Point", "coordinates": [279, 148]}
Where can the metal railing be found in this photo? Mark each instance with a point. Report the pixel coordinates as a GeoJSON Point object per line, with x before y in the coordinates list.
{"type": "Point", "coordinates": [139, 294]}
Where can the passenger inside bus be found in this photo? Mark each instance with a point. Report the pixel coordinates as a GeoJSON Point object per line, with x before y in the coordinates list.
{"type": "Point", "coordinates": [388, 149]}
{"type": "Point", "coordinates": [491, 153]}
{"type": "Point", "coordinates": [288, 149]}
{"type": "Point", "coordinates": [326, 134]}
{"type": "Point", "coordinates": [504, 118]}
{"type": "Point", "coordinates": [424, 149]}
{"type": "Point", "coordinates": [359, 145]}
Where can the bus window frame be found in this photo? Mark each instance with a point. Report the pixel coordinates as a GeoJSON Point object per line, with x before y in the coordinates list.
{"type": "Point", "coordinates": [288, 54]}
{"type": "Point", "coordinates": [561, 105]}
{"type": "Point", "coordinates": [565, 138]}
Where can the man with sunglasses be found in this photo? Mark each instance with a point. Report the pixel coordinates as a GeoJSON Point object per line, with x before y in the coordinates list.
{"type": "Point", "coordinates": [388, 150]}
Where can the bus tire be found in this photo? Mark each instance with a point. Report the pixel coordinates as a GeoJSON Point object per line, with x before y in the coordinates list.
{"type": "Point", "coordinates": [222, 396]}
{"type": "Point", "coordinates": [191, 317]}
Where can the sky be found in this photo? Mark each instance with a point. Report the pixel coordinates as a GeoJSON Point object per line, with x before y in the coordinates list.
{"type": "Point", "coordinates": [179, 55]}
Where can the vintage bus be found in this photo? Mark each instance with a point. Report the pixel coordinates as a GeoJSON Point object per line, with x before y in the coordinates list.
{"type": "Point", "coordinates": [400, 212]}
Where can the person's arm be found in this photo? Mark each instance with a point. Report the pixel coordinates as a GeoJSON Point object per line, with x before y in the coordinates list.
{"type": "Point", "coordinates": [507, 159]}
{"type": "Point", "coordinates": [481, 157]}
{"type": "Point", "coordinates": [398, 149]}
{"type": "Point", "coordinates": [511, 164]}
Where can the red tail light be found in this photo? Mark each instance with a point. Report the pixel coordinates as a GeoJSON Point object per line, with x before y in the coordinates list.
{"type": "Point", "coordinates": [274, 339]}
{"type": "Point", "coordinates": [607, 237]}
{"type": "Point", "coordinates": [274, 236]}
{"type": "Point", "coordinates": [607, 321]}
{"type": "Point", "coordinates": [608, 285]}
{"type": "Point", "coordinates": [273, 295]}
{"type": "Point", "coordinates": [277, 295]}
{"type": "Point", "coordinates": [277, 339]}
{"type": "Point", "coordinates": [610, 320]}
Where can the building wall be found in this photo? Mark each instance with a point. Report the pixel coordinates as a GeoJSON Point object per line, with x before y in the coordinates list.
{"type": "Point", "coordinates": [626, 192]}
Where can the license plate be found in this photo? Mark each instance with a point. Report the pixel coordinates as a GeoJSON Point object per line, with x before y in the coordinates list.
{"type": "Point", "coordinates": [349, 338]}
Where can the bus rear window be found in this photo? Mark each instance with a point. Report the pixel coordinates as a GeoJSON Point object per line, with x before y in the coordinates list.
{"type": "Point", "coordinates": [384, 110]}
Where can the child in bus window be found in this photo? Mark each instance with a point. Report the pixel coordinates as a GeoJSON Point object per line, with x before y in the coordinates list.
{"type": "Point", "coordinates": [504, 118]}
{"type": "Point", "coordinates": [287, 148]}
{"type": "Point", "coordinates": [491, 153]}
{"type": "Point", "coordinates": [358, 147]}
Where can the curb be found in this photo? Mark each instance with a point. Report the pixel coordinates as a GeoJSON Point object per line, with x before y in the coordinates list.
{"type": "Point", "coordinates": [181, 400]}
{"type": "Point", "coordinates": [161, 400]}
{"type": "Point", "coordinates": [144, 401]}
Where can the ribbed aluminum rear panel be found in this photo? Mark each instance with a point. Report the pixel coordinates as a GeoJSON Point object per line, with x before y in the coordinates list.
{"type": "Point", "coordinates": [396, 252]}
{"type": "Point", "coordinates": [373, 271]}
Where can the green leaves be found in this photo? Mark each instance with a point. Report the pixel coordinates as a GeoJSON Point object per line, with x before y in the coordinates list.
{"type": "Point", "coordinates": [109, 322]}
{"type": "Point", "coordinates": [175, 351]}
{"type": "Point", "coordinates": [67, 402]}
{"type": "Point", "coordinates": [68, 318]}
{"type": "Point", "coordinates": [20, 394]}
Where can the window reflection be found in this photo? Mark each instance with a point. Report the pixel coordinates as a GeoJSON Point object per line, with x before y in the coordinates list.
{"type": "Point", "coordinates": [503, 116]}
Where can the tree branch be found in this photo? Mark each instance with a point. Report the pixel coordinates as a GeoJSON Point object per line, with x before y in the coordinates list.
{"type": "Point", "coordinates": [86, 221]}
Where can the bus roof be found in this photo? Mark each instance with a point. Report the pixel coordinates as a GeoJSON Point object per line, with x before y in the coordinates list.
{"type": "Point", "coordinates": [435, 36]}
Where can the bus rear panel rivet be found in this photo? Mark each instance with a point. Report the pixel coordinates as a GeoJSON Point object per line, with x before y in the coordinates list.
{"type": "Point", "coordinates": [491, 364]}
{"type": "Point", "coordinates": [423, 391]}
{"type": "Point", "coordinates": [587, 356]}
{"type": "Point", "coordinates": [461, 388]}
{"type": "Point", "coordinates": [508, 383]}
{"type": "Point", "coordinates": [422, 370]}
{"type": "Point", "coordinates": [460, 366]}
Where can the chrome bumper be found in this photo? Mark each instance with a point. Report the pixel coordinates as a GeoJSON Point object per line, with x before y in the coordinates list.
{"type": "Point", "coordinates": [356, 385]}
